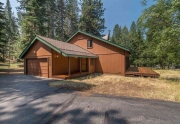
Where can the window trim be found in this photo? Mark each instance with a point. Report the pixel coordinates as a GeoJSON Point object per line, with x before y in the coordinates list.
{"type": "Point", "coordinates": [91, 42]}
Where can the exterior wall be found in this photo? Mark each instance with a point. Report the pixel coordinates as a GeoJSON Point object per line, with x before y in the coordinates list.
{"type": "Point", "coordinates": [39, 50]}
{"type": "Point", "coordinates": [91, 68]}
{"type": "Point", "coordinates": [60, 64]}
{"type": "Point", "coordinates": [111, 59]}
{"type": "Point", "coordinates": [75, 64]}
{"type": "Point", "coordinates": [114, 63]}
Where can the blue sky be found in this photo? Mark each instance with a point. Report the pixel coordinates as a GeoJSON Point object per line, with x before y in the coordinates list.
{"type": "Point", "coordinates": [121, 12]}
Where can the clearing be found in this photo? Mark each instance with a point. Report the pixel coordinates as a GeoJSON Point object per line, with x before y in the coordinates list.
{"type": "Point", "coordinates": [15, 68]}
{"type": "Point", "coordinates": [167, 87]}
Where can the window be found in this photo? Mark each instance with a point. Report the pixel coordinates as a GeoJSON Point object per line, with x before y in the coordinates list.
{"type": "Point", "coordinates": [92, 62]}
{"type": "Point", "coordinates": [89, 43]}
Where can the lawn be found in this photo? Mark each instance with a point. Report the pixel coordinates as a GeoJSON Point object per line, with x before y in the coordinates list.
{"type": "Point", "coordinates": [167, 87]}
{"type": "Point", "coordinates": [5, 69]}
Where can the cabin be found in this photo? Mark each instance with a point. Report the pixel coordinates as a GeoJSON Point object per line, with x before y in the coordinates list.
{"type": "Point", "coordinates": [82, 54]}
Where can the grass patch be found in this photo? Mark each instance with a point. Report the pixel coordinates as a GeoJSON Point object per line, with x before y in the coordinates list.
{"type": "Point", "coordinates": [167, 87]}
{"type": "Point", "coordinates": [13, 65]}
{"type": "Point", "coordinates": [13, 68]}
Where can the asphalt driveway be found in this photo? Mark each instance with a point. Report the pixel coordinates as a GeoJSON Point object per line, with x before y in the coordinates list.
{"type": "Point", "coordinates": [29, 100]}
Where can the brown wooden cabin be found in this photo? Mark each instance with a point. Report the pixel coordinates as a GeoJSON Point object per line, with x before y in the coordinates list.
{"type": "Point", "coordinates": [82, 54]}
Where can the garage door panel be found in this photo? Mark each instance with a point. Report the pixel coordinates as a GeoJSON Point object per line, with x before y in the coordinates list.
{"type": "Point", "coordinates": [37, 67]}
{"type": "Point", "coordinates": [38, 70]}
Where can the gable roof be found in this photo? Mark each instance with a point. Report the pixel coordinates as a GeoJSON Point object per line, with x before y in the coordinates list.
{"type": "Point", "coordinates": [98, 38]}
{"type": "Point", "coordinates": [66, 49]}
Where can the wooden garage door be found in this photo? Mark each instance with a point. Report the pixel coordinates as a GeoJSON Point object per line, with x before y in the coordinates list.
{"type": "Point", "coordinates": [37, 67]}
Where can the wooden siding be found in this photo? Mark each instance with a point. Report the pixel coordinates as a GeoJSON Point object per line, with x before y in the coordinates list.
{"type": "Point", "coordinates": [60, 64]}
{"type": "Point", "coordinates": [39, 50]}
{"type": "Point", "coordinates": [91, 67]}
{"type": "Point", "coordinates": [75, 64]}
{"type": "Point", "coordinates": [114, 63]}
{"type": "Point", "coordinates": [111, 59]}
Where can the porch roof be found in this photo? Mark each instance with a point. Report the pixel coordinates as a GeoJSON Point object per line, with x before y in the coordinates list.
{"type": "Point", "coordinates": [66, 49]}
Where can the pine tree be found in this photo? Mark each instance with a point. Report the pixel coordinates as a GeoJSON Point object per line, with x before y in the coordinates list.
{"type": "Point", "coordinates": [125, 36]}
{"type": "Point", "coordinates": [34, 18]}
{"type": "Point", "coordinates": [2, 32]}
{"type": "Point", "coordinates": [71, 20]}
{"type": "Point", "coordinates": [51, 17]}
{"type": "Point", "coordinates": [56, 19]}
{"type": "Point", "coordinates": [133, 28]}
{"type": "Point", "coordinates": [133, 41]}
{"type": "Point", "coordinates": [91, 19]}
{"type": "Point", "coordinates": [137, 46]}
{"type": "Point", "coordinates": [11, 30]}
{"type": "Point", "coordinates": [117, 33]}
{"type": "Point", "coordinates": [60, 19]}
{"type": "Point", "coordinates": [160, 24]}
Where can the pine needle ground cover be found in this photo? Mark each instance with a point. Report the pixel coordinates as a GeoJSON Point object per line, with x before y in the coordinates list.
{"type": "Point", "coordinates": [167, 87]}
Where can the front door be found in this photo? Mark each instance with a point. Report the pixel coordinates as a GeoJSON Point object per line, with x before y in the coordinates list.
{"type": "Point", "coordinates": [84, 64]}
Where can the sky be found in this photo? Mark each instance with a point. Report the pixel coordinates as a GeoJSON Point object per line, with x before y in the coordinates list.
{"type": "Point", "coordinates": [122, 12]}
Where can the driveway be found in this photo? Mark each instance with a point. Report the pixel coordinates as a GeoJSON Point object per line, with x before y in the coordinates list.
{"type": "Point", "coordinates": [29, 100]}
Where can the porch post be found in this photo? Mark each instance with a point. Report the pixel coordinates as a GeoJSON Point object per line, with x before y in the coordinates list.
{"type": "Point", "coordinates": [80, 66]}
{"type": "Point", "coordinates": [69, 67]}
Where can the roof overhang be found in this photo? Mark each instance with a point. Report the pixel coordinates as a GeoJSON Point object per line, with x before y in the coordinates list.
{"type": "Point", "coordinates": [52, 47]}
{"type": "Point", "coordinates": [106, 41]}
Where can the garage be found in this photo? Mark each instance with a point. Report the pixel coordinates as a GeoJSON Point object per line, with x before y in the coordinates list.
{"type": "Point", "coordinates": [37, 67]}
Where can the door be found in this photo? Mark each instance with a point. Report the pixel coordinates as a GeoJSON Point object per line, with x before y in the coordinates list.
{"type": "Point", "coordinates": [84, 65]}
{"type": "Point", "coordinates": [37, 67]}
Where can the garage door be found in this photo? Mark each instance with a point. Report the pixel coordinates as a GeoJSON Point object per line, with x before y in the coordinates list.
{"type": "Point", "coordinates": [37, 67]}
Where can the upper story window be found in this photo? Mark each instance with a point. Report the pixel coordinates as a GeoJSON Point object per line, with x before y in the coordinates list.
{"type": "Point", "coordinates": [89, 43]}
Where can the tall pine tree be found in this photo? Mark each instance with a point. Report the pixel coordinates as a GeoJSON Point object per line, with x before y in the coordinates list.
{"type": "Point", "coordinates": [71, 20]}
{"type": "Point", "coordinates": [2, 32]}
{"type": "Point", "coordinates": [117, 34]}
{"type": "Point", "coordinates": [160, 23]}
{"type": "Point", "coordinates": [34, 19]}
{"type": "Point", "coordinates": [11, 30]}
{"type": "Point", "coordinates": [91, 19]}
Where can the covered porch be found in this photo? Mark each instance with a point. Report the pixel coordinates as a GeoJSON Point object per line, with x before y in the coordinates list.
{"type": "Point", "coordinates": [66, 67]}
{"type": "Point", "coordinates": [72, 75]}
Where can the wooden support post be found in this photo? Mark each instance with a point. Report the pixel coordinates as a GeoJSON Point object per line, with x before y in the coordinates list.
{"type": "Point", "coordinates": [80, 66]}
{"type": "Point", "coordinates": [69, 67]}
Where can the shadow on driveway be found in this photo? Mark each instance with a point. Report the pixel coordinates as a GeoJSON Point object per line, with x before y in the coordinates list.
{"type": "Point", "coordinates": [27, 99]}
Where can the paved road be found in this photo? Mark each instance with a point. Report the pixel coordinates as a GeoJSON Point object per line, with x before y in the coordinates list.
{"type": "Point", "coordinates": [29, 100]}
